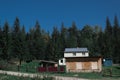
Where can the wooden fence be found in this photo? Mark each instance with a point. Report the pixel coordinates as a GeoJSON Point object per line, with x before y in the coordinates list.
{"type": "Point", "coordinates": [51, 69]}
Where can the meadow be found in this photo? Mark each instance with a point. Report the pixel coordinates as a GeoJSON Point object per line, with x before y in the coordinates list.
{"type": "Point", "coordinates": [9, 77]}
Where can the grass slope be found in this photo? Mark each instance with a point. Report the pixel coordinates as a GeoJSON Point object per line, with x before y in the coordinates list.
{"type": "Point", "coordinates": [9, 77]}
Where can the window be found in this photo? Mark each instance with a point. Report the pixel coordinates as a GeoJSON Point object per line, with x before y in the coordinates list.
{"type": "Point", "coordinates": [83, 53]}
{"type": "Point", "coordinates": [74, 54]}
{"type": "Point", "coordinates": [61, 61]}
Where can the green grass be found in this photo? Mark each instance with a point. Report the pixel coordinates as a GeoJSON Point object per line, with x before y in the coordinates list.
{"type": "Point", "coordinates": [9, 77]}
{"type": "Point", "coordinates": [115, 71]}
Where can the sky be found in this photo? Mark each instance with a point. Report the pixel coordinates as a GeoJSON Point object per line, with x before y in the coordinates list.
{"type": "Point", "coordinates": [51, 13]}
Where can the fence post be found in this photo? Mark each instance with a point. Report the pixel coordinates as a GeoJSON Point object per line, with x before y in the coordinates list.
{"type": "Point", "coordinates": [26, 68]}
{"type": "Point", "coordinates": [110, 72]}
{"type": "Point", "coordinates": [18, 68]}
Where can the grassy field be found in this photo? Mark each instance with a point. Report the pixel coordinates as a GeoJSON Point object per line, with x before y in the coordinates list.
{"type": "Point", "coordinates": [111, 71]}
{"type": "Point", "coordinates": [9, 77]}
{"type": "Point", "coordinates": [90, 76]}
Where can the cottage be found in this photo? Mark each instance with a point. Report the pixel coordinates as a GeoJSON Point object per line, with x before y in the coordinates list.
{"type": "Point", "coordinates": [78, 60]}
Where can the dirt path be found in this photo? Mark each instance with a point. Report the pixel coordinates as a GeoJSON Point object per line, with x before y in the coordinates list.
{"type": "Point", "coordinates": [38, 75]}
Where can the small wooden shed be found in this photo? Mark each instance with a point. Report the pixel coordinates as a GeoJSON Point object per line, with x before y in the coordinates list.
{"type": "Point", "coordinates": [44, 63]}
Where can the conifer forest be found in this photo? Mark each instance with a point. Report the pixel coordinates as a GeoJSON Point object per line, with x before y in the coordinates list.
{"type": "Point", "coordinates": [38, 44]}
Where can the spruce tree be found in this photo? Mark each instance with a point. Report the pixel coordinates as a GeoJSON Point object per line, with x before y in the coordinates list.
{"type": "Point", "coordinates": [108, 39]}
{"type": "Point", "coordinates": [116, 40]}
{"type": "Point", "coordinates": [63, 38]}
{"type": "Point", "coordinates": [6, 39]}
{"type": "Point", "coordinates": [56, 44]}
{"type": "Point", "coordinates": [72, 36]}
{"type": "Point", "coordinates": [1, 42]}
{"type": "Point", "coordinates": [30, 43]}
{"type": "Point", "coordinates": [17, 41]}
{"type": "Point", "coordinates": [39, 43]}
{"type": "Point", "coordinates": [87, 38]}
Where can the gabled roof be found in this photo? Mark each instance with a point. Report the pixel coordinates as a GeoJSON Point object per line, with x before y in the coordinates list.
{"type": "Point", "coordinates": [76, 50]}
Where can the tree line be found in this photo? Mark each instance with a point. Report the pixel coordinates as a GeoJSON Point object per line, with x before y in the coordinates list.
{"type": "Point", "coordinates": [38, 44]}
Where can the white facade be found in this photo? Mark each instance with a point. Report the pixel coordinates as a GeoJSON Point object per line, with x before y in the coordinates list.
{"type": "Point", "coordinates": [81, 54]}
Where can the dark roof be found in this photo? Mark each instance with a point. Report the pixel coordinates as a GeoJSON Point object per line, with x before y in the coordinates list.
{"type": "Point", "coordinates": [47, 61]}
{"type": "Point", "coordinates": [76, 50]}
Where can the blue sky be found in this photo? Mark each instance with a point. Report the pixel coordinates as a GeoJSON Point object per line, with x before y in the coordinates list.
{"type": "Point", "coordinates": [52, 13]}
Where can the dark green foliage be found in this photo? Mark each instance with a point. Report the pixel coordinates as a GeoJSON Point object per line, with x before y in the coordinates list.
{"type": "Point", "coordinates": [39, 43]}
{"type": "Point", "coordinates": [87, 38]}
{"type": "Point", "coordinates": [116, 41]}
{"type": "Point", "coordinates": [15, 42]}
{"type": "Point", "coordinates": [63, 39]}
{"type": "Point", "coordinates": [108, 35]}
{"type": "Point", "coordinates": [30, 43]}
{"type": "Point", "coordinates": [72, 36]}
{"type": "Point", "coordinates": [1, 42]}
{"type": "Point", "coordinates": [56, 44]}
{"type": "Point", "coordinates": [18, 41]}
{"type": "Point", "coordinates": [5, 42]}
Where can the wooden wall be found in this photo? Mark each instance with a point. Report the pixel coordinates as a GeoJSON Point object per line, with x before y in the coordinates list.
{"type": "Point", "coordinates": [84, 64]}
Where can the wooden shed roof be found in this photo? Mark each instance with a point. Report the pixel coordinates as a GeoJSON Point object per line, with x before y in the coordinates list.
{"type": "Point", "coordinates": [47, 61]}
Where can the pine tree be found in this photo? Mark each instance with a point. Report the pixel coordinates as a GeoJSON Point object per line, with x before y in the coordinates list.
{"type": "Point", "coordinates": [116, 40]}
{"type": "Point", "coordinates": [17, 41]}
{"type": "Point", "coordinates": [23, 45]}
{"type": "Point", "coordinates": [101, 43]}
{"type": "Point", "coordinates": [72, 36]}
{"type": "Point", "coordinates": [108, 39]}
{"type": "Point", "coordinates": [39, 43]}
{"type": "Point", "coordinates": [49, 51]}
{"type": "Point", "coordinates": [87, 38]}
{"type": "Point", "coordinates": [30, 43]}
{"type": "Point", "coordinates": [56, 43]}
{"type": "Point", "coordinates": [1, 43]}
{"type": "Point", "coordinates": [97, 31]}
{"type": "Point", "coordinates": [63, 38]}
{"type": "Point", "coordinates": [6, 47]}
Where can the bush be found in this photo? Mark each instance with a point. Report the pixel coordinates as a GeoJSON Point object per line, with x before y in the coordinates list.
{"type": "Point", "coordinates": [3, 65]}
